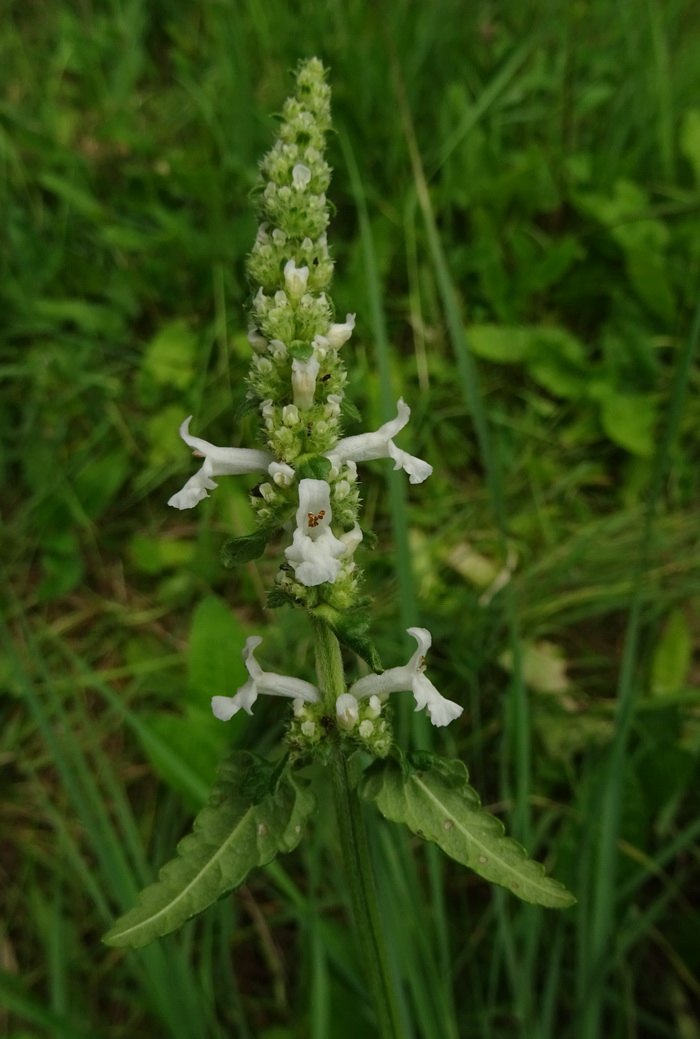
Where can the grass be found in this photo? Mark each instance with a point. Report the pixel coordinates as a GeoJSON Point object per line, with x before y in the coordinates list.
{"type": "Point", "coordinates": [517, 195]}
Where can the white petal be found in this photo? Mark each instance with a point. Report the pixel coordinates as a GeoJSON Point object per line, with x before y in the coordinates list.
{"type": "Point", "coordinates": [281, 473]}
{"type": "Point", "coordinates": [224, 707]}
{"type": "Point", "coordinates": [295, 279]}
{"type": "Point", "coordinates": [301, 175]}
{"type": "Point", "coordinates": [194, 490]}
{"type": "Point", "coordinates": [440, 710]}
{"type": "Point", "coordinates": [339, 334]}
{"type": "Point", "coordinates": [346, 711]}
{"type": "Point", "coordinates": [304, 381]}
{"type": "Point", "coordinates": [252, 666]}
{"type": "Point", "coordinates": [417, 469]}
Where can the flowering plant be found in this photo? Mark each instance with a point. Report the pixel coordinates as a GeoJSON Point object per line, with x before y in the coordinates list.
{"type": "Point", "coordinates": [309, 488]}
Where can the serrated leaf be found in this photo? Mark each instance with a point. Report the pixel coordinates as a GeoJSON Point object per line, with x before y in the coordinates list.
{"type": "Point", "coordinates": [277, 597]}
{"type": "Point", "coordinates": [439, 805]}
{"type": "Point", "coordinates": [313, 467]}
{"type": "Point", "coordinates": [242, 550]}
{"type": "Point", "coordinates": [230, 837]}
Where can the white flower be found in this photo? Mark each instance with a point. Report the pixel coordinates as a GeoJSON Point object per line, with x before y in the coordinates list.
{"type": "Point", "coordinates": [352, 538]}
{"type": "Point", "coordinates": [295, 278]}
{"type": "Point", "coordinates": [368, 446]}
{"type": "Point", "coordinates": [339, 334]}
{"type": "Point", "coordinates": [411, 676]}
{"type": "Point", "coordinates": [278, 349]}
{"type": "Point", "coordinates": [218, 461]}
{"type": "Point", "coordinates": [256, 340]}
{"type": "Point", "coordinates": [301, 175]}
{"type": "Point", "coordinates": [314, 550]}
{"type": "Point", "coordinates": [282, 474]}
{"type": "Point", "coordinates": [267, 682]}
{"type": "Point", "coordinates": [346, 711]}
{"type": "Point", "coordinates": [304, 381]}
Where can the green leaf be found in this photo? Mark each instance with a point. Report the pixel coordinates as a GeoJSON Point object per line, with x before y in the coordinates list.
{"type": "Point", "coordinates": [277, 597]}
{"type": "Point", "coordinates": [241, 550]}
{"type": "Point", "coordinates": [214, 663]}
{"type": "Point", "coordinates": [230, 837]}
{"type": "Point", "coordinates": [672, 656]}
{"type": "Point", "coordinates": [349, 410]}
{"type": "Point", "coordinates": [501, 343]}
{"type": "Point", "coordinates": [313, 467]}
{"type": "Point", "coordinates": [170, 356]}
{"type": "Point", "coordinates": [437, 803]}
{"type": "Point", "coordinates": [300, 351]}
{"type": "Point", "coordinates": [350, 628]}
{"type": "Point", "coordinates": [629, 420]}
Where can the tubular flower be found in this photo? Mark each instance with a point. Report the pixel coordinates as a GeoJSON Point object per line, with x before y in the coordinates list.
{"type": "Point", "coordinates": [218, 461]}
{"type": "Point", "coordinates": [315, 550]}
{"type": "Point", "coordinates": [266, 682]}
{"type": "Point", "coordinates": [411, 676]}
{"type": "Point", "coordinates": [380, 444]}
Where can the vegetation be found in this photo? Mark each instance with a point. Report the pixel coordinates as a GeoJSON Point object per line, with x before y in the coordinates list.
{"type": "Point", "coordinates": [517, 192]}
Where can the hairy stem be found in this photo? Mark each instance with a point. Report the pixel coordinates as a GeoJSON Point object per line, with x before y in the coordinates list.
{"type": "Point", "coordinates": [355, 848]}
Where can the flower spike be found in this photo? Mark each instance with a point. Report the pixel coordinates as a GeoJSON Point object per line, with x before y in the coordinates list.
{"type": "Point", "coordinates": [411, 676]}
{"type": "Point", "coordinates": [266, 682]}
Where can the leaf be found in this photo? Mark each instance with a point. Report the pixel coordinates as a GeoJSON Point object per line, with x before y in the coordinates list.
{"type": "Point", "coordinates": [313, 467]}
{"type": "Point", "coordinates": [672, 656]}
{"type": "Point", "coordinates": [230, 837]}
{"type": "Point", "coordinates": [501, 343]}
{"type": "Point", "coordinates": [214, 663]}
{"type": "Point", "coordinates": [300, 351]}
{"type": "Point", "coordinates": [241, 550]}
{"type": "Point", "coordinates": [437, 803]}
{"type": "Point", "coordinates": [350, 628]}
{"type": "Point", "coordinates": [170, 356]}
{"type": "Point", "coordinates": [629, 420]}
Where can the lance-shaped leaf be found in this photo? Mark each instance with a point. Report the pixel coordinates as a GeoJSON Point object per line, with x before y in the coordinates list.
{"type": "Point", "coordinates": [230, 836]}
{"type": "Point", "coordinates": [350, 628]}
{"type": "Point", "coordinates": [437, 803]}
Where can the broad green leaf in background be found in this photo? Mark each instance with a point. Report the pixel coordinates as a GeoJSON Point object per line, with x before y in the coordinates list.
{"type": "Point", "coordinates": [436, 802]}
{"type": "Point", "coordinates": [170, 356]}
{"type": "Point", "coordinates": [672, 655]}
{"type": "Point", "coordinates": [629, 420]}
{"type": "Point", "coordinates": [214, 668]}
{"type": "Point", "coordinates": [231, 836]}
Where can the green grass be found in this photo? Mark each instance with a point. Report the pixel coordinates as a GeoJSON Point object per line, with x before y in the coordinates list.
{"type": "Point", "coordinates": [518, 194]}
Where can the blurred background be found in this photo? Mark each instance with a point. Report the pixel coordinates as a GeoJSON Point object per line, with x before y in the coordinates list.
{"type": "Point", "coordinates": [518, 214]}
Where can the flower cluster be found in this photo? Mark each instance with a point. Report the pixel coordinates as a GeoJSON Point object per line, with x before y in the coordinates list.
{"type": "Point", "coordinates": [297, 383]}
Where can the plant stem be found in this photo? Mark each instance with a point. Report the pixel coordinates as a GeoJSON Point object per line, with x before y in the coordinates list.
{"type": "Point", "coordinates": [355, 848]}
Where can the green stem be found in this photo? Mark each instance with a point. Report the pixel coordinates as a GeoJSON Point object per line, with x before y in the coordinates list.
{"type": "Point", "coordinates": [355, 847]}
